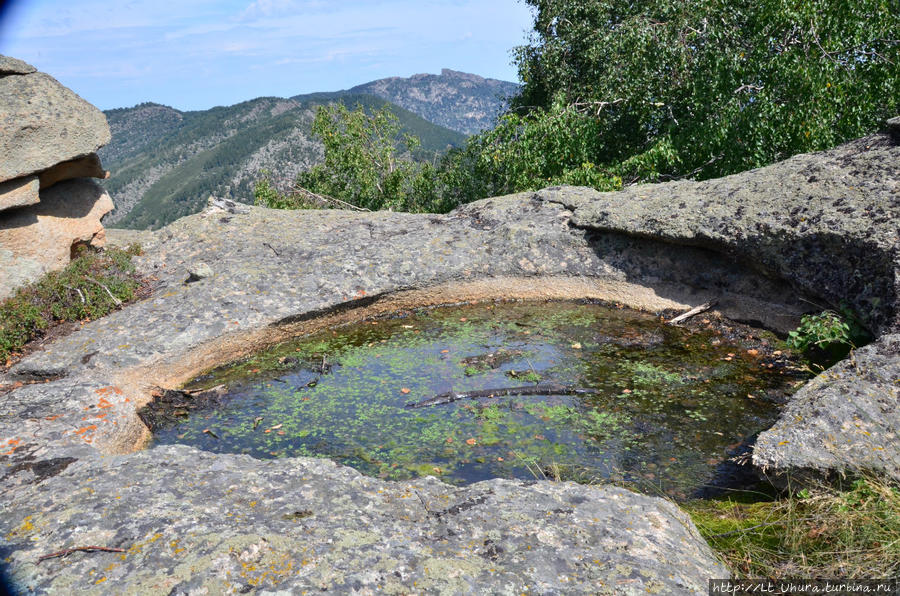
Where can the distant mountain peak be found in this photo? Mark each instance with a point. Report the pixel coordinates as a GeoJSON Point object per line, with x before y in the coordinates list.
{"type": "Point", "coordinates": [460, 101]}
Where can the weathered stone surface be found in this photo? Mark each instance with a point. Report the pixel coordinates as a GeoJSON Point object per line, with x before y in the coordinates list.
{"type": "Point", "coordinates": [19, 192]}
{"type": "Point", "coordinates": [40, 238]}
{"type": "Point", "coordinates": [43, 124]}
{"type": "Point", "coordinates": [83, 167]}
{"type": "Point", "coordinates": [192, 521]}
{"type": "Point", "coordinates": [846, 420]}
{"type": "Point", "coordinates": [270, 266]}
{"type": "Point", "coordinates": [14, 66]}
{"type": "Point", "coordinates": [274, 271]}
{"type": "Point", "coordinates": [827, 222]}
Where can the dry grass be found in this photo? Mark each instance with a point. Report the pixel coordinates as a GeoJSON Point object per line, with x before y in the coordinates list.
{"type": "Point", "coordinates": [850, 531]}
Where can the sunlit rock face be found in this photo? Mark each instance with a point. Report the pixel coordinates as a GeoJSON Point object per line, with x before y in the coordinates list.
{"type": "Point", "coordinates": [49, 135]}
{"type": "Point", "coordinates": [44, 123]}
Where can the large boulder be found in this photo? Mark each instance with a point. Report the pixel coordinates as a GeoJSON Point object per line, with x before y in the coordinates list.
{"type": "Point", "coordinates": [826, 222]}
{"type": "Point", "coordinates": [846, 420]}
{"type": "Point", "coordinates": [41, 238]}
{"type": "Point", "coordinates": [43, 122]}
{"type": "Point", "coordinates": [48, 135]}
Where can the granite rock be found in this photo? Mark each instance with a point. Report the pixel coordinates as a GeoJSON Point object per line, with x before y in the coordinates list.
{"type": "Point", "coordinates": [195, 522]}
{"type": "Point", "coordinates": [44, 123]}
{"type": "Point", "coordinates": [14, 66]}
{"type": "Point", "coordinates": [826, 222]}
{"type": "Point", "coordinates": [83, 167]}
{"type": "Point", "coordinates": [845, 421]}
{"type": "Point", "coordinates": [20, 192]}
{"type": "Point", "coordinates": [41, 237]}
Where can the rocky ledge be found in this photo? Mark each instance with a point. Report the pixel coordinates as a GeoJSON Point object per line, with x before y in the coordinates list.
{"type": "Point", "coordinates": [190, 522]}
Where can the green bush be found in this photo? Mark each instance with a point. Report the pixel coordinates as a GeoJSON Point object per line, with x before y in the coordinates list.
{"type": "Point", "coordinates": [92, 285]}
{"type": "Point", "coordinates": [828, 336]}
{"type": "Point", "coordinates": [713, 87]}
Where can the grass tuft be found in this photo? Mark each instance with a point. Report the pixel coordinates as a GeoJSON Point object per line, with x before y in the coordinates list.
{"type": "Point", "coordinates": [94, 284]}
{"type": "Point", "coordinates": [850, 531]}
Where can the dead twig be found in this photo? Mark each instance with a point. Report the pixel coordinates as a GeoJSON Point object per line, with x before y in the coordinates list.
{"type": "Point", "coordinates": [86, 549]}
{"type": "Point", "coordinates": [326, 199]}
{"type": "Point", "coordinates": [217, 388]}
{"type": "Point", "coordinates": [693, 312]}
{"type": "Point", "coordinates": [114, 299]}
{"type": "Point", "coordinates": [266, 244]}
{"type": "Point", "coordinates": [80, 294]}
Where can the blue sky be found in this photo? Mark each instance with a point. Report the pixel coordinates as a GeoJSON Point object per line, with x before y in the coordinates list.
{"type": "Point", "coordinates": [195, 54]}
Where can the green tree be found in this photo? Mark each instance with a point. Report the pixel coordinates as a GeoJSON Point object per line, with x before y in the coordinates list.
{"type": "Point", "coordinates": [711, 87]}
{"type": "Point", "coordinates": [367, 160]}
{"type": "Point", "coordinates": [527, 152]}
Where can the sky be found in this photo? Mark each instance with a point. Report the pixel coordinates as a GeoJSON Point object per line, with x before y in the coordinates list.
{"type": "Point", "coordinates": [196, 54]}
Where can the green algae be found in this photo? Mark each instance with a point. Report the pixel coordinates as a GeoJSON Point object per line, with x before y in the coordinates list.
{"type": "Point", "coordinates": [669, 402]}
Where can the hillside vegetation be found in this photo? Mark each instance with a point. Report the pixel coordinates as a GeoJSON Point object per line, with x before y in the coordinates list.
{"type": "Point", "coordinates": [618, 92]}
{"type": "Point", "coordinates": [165, 163]}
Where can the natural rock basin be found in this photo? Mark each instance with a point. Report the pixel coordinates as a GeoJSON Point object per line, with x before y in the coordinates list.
{"type": "Point", "coordinates": [652, 405]}
{"type": "Point", "coordinates": [193, 521]}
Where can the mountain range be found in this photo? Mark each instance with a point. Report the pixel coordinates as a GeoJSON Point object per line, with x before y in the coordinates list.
{"type": "Point", "coordinates": [165, 163]}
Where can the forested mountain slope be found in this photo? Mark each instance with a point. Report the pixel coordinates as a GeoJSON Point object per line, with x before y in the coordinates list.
{"type": "Point", "coordinates": [165, 163]}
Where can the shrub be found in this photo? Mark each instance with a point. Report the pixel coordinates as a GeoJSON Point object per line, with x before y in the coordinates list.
{"type": "Point", "coordinates": [92, 285]}
{"type": "Point", "coordinates": [828, 336]}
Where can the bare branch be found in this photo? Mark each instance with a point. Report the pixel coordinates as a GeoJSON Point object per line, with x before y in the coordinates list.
{"type": "Point", "coordinates": [595, 106]}
{"type": "Point", "coordinates": [326, 199]}
{"type": "Point", "coordinates": [114, 299]}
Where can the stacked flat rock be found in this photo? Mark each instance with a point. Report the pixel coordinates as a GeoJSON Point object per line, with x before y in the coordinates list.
{"type": "Point", "coordinates": [48, 143]}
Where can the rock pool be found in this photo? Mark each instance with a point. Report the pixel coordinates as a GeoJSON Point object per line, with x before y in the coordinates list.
{"type": "Point", "coordinates": [650, 405]}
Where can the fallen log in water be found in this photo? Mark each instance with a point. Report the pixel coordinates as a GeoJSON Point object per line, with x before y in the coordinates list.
{"type": "Point", "coordinates": [545, 389]}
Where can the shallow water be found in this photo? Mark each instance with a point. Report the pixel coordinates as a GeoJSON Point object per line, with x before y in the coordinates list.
{"type": "Point", "coordinates": [669, 402]}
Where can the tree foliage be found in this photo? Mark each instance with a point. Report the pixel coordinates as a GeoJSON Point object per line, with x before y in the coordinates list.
{"type": "Point", "coordinates": [616, 92]}
{"type": "Point", "coordinates": [711, 87]}
{"type": "Point", "coordinates": [527, 152]}
{"type": "Point", "coordinates": [367, 161]}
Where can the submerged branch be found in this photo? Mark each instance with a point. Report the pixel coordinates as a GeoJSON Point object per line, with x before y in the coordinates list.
{"type": "Point", "coordinates": [545, 389]}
